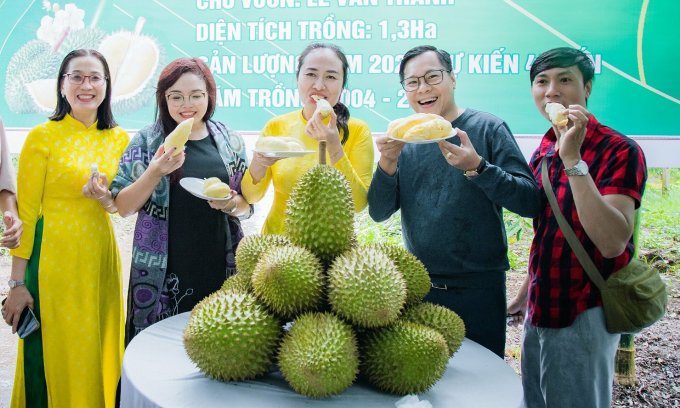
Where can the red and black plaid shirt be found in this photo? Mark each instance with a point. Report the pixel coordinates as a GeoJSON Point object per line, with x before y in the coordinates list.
{"type": "Point", "coordinates": [559, 287]}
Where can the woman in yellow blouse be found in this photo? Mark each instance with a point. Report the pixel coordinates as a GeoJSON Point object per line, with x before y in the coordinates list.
{"type": "Point", "coordinates": [74, 359]}
{"type": "Point", "coordinates": [321, 73]}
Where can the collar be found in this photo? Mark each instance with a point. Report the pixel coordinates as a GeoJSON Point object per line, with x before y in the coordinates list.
{"type": "Point", "coordinates": [71, 121]}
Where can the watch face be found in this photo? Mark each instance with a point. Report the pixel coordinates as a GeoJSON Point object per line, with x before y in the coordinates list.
{"type": "Point", "coordinates": [580, 169]}
{"type": "Point", "coordinates": [14, 283]}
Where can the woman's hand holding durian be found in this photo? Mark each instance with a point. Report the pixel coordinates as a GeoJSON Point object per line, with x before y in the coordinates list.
{"type": "Point", "coordinates": [235, 207]}
{"type": "Point", "coordinates": [329, 132]}
{"type": "Point", "coordinates": [164, 163]}
{"type": "Point", "coordinates": [96, 188]}
{"type": "Point", "coordinates": [259, 165]}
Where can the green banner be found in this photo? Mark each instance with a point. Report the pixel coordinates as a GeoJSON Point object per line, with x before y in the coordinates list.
{"type": "Point", "coordinates": [252, 46]}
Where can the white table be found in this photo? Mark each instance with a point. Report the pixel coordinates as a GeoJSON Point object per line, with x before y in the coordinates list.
{"type": "Point", "coordinates": [158, 373]}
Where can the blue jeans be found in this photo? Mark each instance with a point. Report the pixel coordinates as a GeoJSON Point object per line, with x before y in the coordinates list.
{"type": "Point", "coordinates": [569, 367]}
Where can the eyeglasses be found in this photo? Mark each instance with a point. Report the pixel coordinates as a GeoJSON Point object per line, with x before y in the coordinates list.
{"type": "Point", "coordinates": [432, 77]}
{"type": "Point", "coordinates": [176, 99]}
{"type": "Point", "coordinates": [78, 79]}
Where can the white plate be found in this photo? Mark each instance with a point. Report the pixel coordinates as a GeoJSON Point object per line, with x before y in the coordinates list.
{"type": "Point", "coordinates": [195, 187]}
{"type": "Point", "coordinates": [285, 154]}
{"type": "Point", "coordinates": [452, 134]}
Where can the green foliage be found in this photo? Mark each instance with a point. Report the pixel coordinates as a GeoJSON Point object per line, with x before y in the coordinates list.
{"type": "Point", "coordinates": [659, 237]}
{"type": "Point", "coordinates": [659, 232]}
{"type": "Point", "coordinates": [519, 231]}
{"type": "Point", "coordinates": [369, 231]}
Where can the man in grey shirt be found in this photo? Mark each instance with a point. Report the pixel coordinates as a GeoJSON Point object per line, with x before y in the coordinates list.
{"type": "Point", "coordinates": [451, 196]}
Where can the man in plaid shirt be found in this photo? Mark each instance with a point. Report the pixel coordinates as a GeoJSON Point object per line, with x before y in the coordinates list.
{"type": "Point", "coordinates": [598, 176]}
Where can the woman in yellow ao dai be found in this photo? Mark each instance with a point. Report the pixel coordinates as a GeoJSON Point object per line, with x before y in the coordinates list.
{"type": "Point", "coordinates": [67, 266]}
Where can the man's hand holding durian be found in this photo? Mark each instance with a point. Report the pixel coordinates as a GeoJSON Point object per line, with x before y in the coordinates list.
{"type": "Point", "coordinates": [569, 140]}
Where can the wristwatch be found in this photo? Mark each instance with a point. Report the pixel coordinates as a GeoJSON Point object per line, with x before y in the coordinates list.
{"type": "Point", "coordinates": [580, 169]}
{"type": "Point", "coordinates": [14, 283]}
{"type": "Point", "coordinates": [470, 174]}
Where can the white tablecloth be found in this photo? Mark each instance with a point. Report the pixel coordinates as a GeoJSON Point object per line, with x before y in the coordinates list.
{"type": "Point", "coordinates": [158, 373]}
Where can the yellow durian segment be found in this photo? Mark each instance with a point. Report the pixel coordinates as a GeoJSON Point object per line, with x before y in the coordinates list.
{"type": "Point", "coordinates": [556, 114]}
{"type": "Point", "coordinates": [210, 181]}
{"type": "Point", "coordinates": [323, 107]}
{"type": "Point", "coordinates": [216, 190]}
{"type": "Point", "coordinates": [419, 126]}
{"type": "Point", "coordinates": [178, 137]}
{"type": "Point", "coordinates": [278, 144]}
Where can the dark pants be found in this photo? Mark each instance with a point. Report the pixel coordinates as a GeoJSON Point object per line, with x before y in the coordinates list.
{"type": "Point", "coordinates": [483, 309]}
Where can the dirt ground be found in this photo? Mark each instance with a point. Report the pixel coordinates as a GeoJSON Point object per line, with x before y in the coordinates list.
{"type": "Point", "coordinates": [657, 348]}
{"type": "Point", "coordinates": [657, 355]}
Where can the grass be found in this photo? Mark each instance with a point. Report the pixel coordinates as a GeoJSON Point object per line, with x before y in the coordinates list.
{"type": "Point", "coordinates": [659, 237]}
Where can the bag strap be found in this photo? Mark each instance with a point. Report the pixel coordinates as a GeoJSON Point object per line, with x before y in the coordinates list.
{"type": "Point", "coordinates": [568, 232]}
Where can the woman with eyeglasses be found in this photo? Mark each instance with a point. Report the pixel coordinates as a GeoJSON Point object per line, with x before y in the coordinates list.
{"type": "Point", "coordinates": [183, 246]}
{"type": "Point", "coordinates": [321, 73]}
{"type": "Point", "coordinates": [67, 266]}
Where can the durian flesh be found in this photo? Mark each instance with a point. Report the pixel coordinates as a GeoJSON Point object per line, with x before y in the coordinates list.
{"type": "Point", "coordinates": [556, 114]}
{"type": "Point", "coordinates": [179, 136]}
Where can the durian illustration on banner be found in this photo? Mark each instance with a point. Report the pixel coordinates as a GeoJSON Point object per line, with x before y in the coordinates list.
{"type": "Point", "coordinates": [134, 61]}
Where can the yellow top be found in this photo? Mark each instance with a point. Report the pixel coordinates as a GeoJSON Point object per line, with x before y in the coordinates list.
{"type": "Point", "coordinates": [356, 165]}
{"type": "Point", "coordinates": [80, 290]}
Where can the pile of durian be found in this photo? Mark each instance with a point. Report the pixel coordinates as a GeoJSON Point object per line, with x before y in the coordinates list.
{"type": "Point", "coordinates": [351, 310]}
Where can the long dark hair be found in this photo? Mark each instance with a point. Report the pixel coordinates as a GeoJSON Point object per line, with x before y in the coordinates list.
{"type": "Point", "coordinates": [340, 109]}
{"type": "Point", "coordinates": [171, 74]}
{"type": "Point", "coordinates": [104, 115]}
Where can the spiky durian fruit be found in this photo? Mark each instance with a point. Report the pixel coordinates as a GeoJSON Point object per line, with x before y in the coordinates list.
{"type": "Point", "coordinates": [440, 318]}
{"type": "Point", "coordinates": [405, 358]}
{"type": "Point", "coordinates": [230, 336]}
{"type": "Point", "coordinates": [251, 249]}
{"type": "Point", "coordinates": [35, 61]}
{"type": "Point", "coordinates": [289, 280]}
{"type": "Point", "coordinates": [417, 279]}
{"type": "Point", "coordinates": [238, 282]}
{"type": "Point", "coordinates": [320, 214]}
{"type": "Point", "coordinates": [319, 356]}
{"type": "Point", "coordinates": [365, 287]}
{"type": "Point", "coordinates": [31, 81]}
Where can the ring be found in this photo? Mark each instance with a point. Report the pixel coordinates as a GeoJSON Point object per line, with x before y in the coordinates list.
{"type": "Point", "coordinates": [448, 155]}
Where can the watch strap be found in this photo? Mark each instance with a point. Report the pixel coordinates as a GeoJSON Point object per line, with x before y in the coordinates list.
{"type": "Point", "coordinates": [14, 283]}
{"type": "Point", "coordinates": [477, 171]}
{"type": "Point", "coordinates": [579, 169]}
